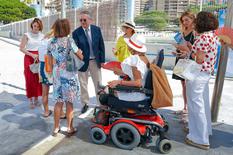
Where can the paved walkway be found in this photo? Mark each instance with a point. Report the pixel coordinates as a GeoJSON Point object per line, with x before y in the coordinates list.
{"type": "Point", "coordinates": [23, 129]}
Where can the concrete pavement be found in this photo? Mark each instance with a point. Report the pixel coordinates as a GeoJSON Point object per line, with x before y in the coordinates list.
{"type": "Point", "coordinates": [22, 129]}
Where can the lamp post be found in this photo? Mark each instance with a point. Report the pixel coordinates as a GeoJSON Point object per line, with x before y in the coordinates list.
{"type": "Point", "coordinates": [63, 9]}
{"type": "Point", "coordinates": [201, 3]}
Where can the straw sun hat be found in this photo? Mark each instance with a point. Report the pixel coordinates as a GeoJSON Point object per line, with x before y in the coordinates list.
{"type": "Point", "coordinates": [136, 42]}
{"type": "Point", "coordinates": [129, 24]}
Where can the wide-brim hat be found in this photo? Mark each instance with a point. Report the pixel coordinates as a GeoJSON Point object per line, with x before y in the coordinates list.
{"type": "Point", "coordinates": [129, 24]}
{"type": "Point", "coordinates": [136, 42]}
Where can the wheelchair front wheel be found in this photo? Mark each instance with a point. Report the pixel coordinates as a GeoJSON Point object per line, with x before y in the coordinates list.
{"type": "Point", "coordinates": [164, 145]}
{"type": "Point", "coordinates": [98, 136]}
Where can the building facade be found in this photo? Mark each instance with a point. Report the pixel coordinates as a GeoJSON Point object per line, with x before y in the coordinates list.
{"type": "Point", "coordinates": [174, 8]}
{"type": "Point", "coordinates": [56, 4]}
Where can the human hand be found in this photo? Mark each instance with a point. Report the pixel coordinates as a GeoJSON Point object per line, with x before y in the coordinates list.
{"type": "Point", "coordinates": [114, 51]}
{"type": "Point", "coordinates": [34, 56]}
{"type": "Point", "coordinates": [114, 83]}
{"type": "Point", "coordinates": [102, 64]}
{"type": "Point", "coordinates": [118, 71]}
{"type": "Point", "coordinates": [189, 45]}
{"type": "Point", "coordinates": [80, 54]}
{"type": "Point", "coordinates": [183, 47]}
{"type": "Point", "coordinates": [200, 56]}
{"type": "Point", "coordinates": [174, 53]}
{"type": "Point", "coordinates": [182, 54]}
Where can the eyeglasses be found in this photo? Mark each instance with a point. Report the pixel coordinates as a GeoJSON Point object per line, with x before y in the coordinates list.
{"type": "Point", "coordinates": [82, 20]}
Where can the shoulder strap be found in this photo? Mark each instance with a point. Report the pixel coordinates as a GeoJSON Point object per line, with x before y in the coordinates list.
{"type": "Point", "coordinates": [68, 45]}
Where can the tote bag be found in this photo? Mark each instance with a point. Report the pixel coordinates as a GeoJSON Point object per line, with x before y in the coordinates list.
{"type": "Point", "coordinates": [73, 63]}
{"type": "Point", "coordinates": [34, 67]}
{"type": "Point", "coordinates": [187, 69]}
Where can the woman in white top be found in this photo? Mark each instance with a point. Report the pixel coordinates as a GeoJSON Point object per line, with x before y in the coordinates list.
{"type": "Point", "coordinates": [136, 67]}
{"type": "Point", "coordinates": [44, 77]}
{"type": "Point", "coordinates": [29, 46]}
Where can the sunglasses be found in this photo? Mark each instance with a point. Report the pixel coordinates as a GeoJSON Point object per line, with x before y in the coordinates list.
{"type": "Point", "coordinates": [82, 20]}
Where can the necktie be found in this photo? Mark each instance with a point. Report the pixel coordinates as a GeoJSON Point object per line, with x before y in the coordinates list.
{"type": "Point", "coordinates": [90, 44]}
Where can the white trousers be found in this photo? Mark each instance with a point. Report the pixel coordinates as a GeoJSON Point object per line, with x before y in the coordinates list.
{"type": "Point", "coordinates": [199, 109]}
{"type": "Point", "coordinates": [95, 73]}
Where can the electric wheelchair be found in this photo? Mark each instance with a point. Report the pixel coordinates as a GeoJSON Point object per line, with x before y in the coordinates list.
{"type": "Point", "coordinates": [130, 124]}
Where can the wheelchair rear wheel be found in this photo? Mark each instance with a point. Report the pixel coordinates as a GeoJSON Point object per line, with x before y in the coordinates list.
{"type": "Point", "coordinates": [125, 136]}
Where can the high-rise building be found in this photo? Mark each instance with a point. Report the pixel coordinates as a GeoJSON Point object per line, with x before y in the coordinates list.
{"type": "Point", "coordinates": [137, 8]}
{"type": "Point", "coordinates": [149, 5]}
{"type": "Point", "coordinates": [56, 4]}
{"type": "Point", "coordinates": [87, 3]}
{"type": "Point", "coordinates": [175, 8]}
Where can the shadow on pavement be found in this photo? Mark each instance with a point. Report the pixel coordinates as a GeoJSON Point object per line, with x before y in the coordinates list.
{"type": "Point", "coordinates": [222, 136]}
{"type": "Point", "coordinates": [221, 141]}
{"type": "Point", "coordinates": [84, 128]}
{"type": "Point", "coordinates": [9, 100]}
{"type": "Point", "coordinates": [4, 106]}
{"type": "Point", "coordinates": [11, 85]}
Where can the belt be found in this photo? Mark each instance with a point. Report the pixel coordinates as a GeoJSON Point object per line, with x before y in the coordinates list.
{"type": "Point", "coordinates": [91, 59]}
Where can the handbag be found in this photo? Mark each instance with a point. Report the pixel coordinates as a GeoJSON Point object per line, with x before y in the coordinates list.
{"type": "Point", "coordinates": [73, 63]}
{"type": "Point", "coordinates": [34, 67]}
{"type": "Point", "coordinates": [187, 69]}
{"type": "Point", "coordinates": [48, 66]}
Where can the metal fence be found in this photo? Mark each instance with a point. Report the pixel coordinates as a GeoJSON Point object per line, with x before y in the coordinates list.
{"type": "Point", "coordinates": [107, 15]}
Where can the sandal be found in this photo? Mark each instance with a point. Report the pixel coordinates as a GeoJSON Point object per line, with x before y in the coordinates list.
{"type": "Point", "coordinates": [55, 132]}
{"type": "Point", "coordinates": [183, 120]}
{"type": "Point", "coordinates": [31, 105]}
{"type": "Point", "coordinates": [201, 146]}
{"type": "Point", "coordinates": [71, 132]}
{"type": "Point", "coordinates": [186, 129]}
{"type": "Point", "coordinates": [37, 103]}
{"type": "Point", "coordinates": [63, 117]}
{"type": "Point", "coordinates": [47, 115]}
{"type": "Point", "coordinates": [181, 112]}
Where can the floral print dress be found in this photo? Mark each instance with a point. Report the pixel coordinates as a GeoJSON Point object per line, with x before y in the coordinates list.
{"type": "Point", "coordinates": [65, 84]}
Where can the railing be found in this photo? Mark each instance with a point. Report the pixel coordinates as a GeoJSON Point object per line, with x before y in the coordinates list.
{"type": "Point", "coordinates": [107, 17]}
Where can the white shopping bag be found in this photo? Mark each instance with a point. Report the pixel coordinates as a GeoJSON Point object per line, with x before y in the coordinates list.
{"type": "Point", "coordinates": [187, 69]}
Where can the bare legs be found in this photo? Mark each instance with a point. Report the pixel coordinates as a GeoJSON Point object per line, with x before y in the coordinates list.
{"type": "Point", "coordinates": [57, 113]}
{"type": "Point", "coordinates": [32, 102]}
{"type": "Point", "coordinates": [45, 96]}
{"type": "Point", "coordinates": [69, 115]}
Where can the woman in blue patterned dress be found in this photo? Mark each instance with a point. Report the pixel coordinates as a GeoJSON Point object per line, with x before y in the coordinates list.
{"type": "Point", "coordinates": [65, 84]}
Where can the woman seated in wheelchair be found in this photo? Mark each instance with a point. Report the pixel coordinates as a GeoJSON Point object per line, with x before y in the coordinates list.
{"type": "Point", "coordinates": [136, 68]}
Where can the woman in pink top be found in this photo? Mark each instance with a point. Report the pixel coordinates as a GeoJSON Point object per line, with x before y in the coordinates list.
{"type": "Point", "coordinates": [203, 51]}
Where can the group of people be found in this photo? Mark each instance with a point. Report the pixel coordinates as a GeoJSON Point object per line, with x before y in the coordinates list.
{"type": "Point", "coordinates": [87, 44]}
{"type": "Point", "coordinates": [67, 86]}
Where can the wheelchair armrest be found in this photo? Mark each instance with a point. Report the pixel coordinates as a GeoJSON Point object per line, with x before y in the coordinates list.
{"type": "Point", "coordinates": [132, 89]}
